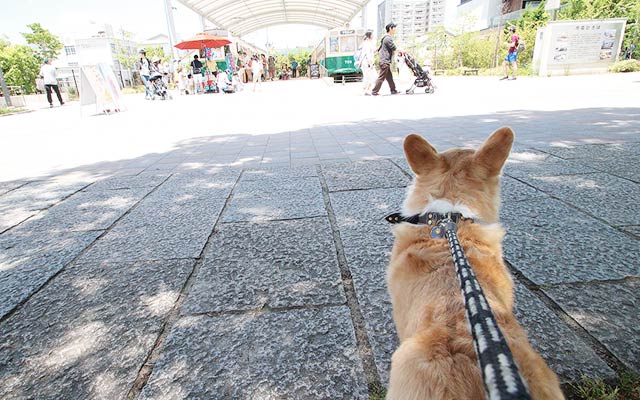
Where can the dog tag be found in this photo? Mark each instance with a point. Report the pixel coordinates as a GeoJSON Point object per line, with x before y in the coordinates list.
{"type": "Point", "coordinates": [437, 232]}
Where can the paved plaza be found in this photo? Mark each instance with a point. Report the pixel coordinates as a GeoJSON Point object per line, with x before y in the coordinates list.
{"type": "Point", "coordinates": [233, 246]}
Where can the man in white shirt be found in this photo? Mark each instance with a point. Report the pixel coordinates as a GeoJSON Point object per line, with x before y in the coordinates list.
{"type": "Point", "coordinates": [48, 73]}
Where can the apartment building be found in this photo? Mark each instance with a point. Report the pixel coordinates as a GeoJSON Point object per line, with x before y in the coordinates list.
{"type": "Point", "coordinates": [413, 18]}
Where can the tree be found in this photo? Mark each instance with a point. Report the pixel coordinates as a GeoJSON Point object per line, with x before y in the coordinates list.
{"type": "Point", "coordinates": [527, 27]}
{"type": "Point", "coordinates": [47, 43]}
{"type": "Point", "coordinates": [20, 65]}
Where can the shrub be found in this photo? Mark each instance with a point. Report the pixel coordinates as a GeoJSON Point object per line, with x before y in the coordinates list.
{"type": "Point", "coordinates": [626, 66]}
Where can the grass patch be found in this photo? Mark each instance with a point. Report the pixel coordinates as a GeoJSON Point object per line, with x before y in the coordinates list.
{"type": "Point", "coordinates": [627, 387]}
{"type": "Point", "coordinates": [6, 111]}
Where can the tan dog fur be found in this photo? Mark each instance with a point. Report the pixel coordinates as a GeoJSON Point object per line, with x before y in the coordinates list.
{"type": "Point", "coordinates": [436, 357]}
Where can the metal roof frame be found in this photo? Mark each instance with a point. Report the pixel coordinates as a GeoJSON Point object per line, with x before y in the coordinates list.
{"type": "Point", "coordinates": [245, 16]}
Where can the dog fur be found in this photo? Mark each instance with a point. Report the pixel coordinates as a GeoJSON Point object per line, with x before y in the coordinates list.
{"type": "Point", "coordinates": [436, 357]}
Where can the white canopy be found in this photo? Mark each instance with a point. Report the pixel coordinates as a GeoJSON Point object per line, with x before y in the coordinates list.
{"type": "Point", "coordinates": [245, 16]}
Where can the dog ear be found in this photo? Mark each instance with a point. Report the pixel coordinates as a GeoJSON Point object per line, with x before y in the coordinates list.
{"type": "Point", "coordinates": [494, 151]}
{"type": "Point", "coordinates": [420, 154]}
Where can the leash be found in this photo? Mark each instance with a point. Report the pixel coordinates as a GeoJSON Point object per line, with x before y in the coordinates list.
{"type": "Point", "coordinates": [499, 370]}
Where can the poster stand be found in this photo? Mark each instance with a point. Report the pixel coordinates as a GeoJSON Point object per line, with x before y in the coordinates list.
{"type": "Point", "coordinates": [99, 86]}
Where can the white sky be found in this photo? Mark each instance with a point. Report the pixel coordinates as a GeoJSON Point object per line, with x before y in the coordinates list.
{"type": "Point", "coordinates": [145, 18]}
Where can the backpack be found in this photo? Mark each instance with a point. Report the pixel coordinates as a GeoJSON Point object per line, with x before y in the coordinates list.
{"type": "Point", "coordinates": [521, 46]}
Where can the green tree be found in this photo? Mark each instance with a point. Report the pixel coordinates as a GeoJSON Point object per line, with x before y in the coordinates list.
{"type": "Point", "coordinates": [527, 27]}
{"type": "Point", "coordinates": [20, 65]}
{"type": "Point", "coordinates": [48, 44]}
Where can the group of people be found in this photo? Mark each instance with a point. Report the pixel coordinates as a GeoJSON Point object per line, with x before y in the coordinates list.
{"type": "Point", "coordinates": [373, 80]}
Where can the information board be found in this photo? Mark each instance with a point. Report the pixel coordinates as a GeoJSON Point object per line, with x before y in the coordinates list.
{"type": "Point", "coordinates": [98, 85]}
{"type": "Point", "coordinates": [585, 46]}
{"type": "Point", "coordinates": [314, 70]}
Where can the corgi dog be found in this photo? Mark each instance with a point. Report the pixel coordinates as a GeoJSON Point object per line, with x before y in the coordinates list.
{"type": "Point", "coordinates": [436, 358]}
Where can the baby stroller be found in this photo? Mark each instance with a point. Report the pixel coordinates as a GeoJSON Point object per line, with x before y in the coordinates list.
{"type": "Point", "coordinates": [422, 77]}
{"type": "Point", "coordinates": [159, 86]}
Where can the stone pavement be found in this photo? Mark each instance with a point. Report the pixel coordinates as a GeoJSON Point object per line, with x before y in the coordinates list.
{"type": "Point", "coordinates": [236, 265]}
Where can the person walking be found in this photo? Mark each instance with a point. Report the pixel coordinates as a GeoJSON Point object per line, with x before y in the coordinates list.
{"type": "Point", "coordinates": [144, 66]}
{"type": "Point", "coordinates": [196, 71]}
{"type": "Point", "coordinates": [256, 69]}
{"type": "Point", "coordinates": [367, 63]}
{"type": "Point", "coordinates": [294, 68]}
{"type": "Point", "coordinates": [48, 74]}
{"type": "Point", "coordinates": [512, 55]}
{"type": "Point", "coordinates": [272, 67]}
{"type": "Point", "coordinates": [386, 49]}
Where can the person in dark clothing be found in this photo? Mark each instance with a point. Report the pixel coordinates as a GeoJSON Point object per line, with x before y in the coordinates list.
{"type": "Point", "coordinates": [385, 52]}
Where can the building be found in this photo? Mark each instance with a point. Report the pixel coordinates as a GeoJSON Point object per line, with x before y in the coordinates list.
{"type": "Point", "coordinates": [413, 18]}
{"type": "Point", "coordinates": [100, 48]}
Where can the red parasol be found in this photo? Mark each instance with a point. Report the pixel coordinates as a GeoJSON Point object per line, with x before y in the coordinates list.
{"type": "Point", "coordinates": [202, 40]}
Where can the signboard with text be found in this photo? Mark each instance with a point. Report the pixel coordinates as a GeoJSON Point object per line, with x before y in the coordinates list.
{"type": "Point", "coordinates": [586, 46]}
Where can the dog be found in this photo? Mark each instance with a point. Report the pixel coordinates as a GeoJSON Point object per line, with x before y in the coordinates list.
{"type": "Point", "coordinates": [436, 358]}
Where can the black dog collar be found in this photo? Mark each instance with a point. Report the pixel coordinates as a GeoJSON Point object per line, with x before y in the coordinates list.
{"type": "Point", "coordinates": [428, 218]}
{"type": "Point", "coordinates": [438, 221]}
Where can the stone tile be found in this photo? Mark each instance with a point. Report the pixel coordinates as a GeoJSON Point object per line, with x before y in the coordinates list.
{"type": "Point", "coordinates": [278, 174]}
{"type": "Point", "coordinates": [297, 354]}
{"type": "Point", "coordinates": [269, 264]}
{"type": "Point", "coordinates": [632, 229]}
{"type": "Point", "coordinates": [609, 312]}
{"type": "Point", "coordinates": [6, 187]}
{"type": "Point", "coordinates": [534, 163]}
{"type": "Point", "coordinates": [144, 180]}
{"type": "Point", "coordinates": [88, 333]}
{"type": "Point", "coordinates": [368, 266]}
{"type": "Point", "coordinates": [550, 242]}
{"type": "Point", "coordinates": [28, 259]}
{"type": "Point", "coordinates": [172, 222]}
{"type": "Point", "coordinates": [596, 151]}
{"type": "Point", "coordinates": [607, 197]}
{"type": "Point", "coordinates": [512, 190]}
{"type": "Point", "coordinates": [23, 202]}
{"type": "Point", "coordinates": [404, 165]}
{"type": "Point", "coordinates": [86, 211]}
{"type": "Point", "coordinates": [285, 198]}
{"type": "Point", "coordinates": [565, 353]}
{"type": "Point", "coordinates": [363, 175]}
{"type": "Point", "coordinates": [624, 167]}
{"type": "Point", "coordinates": [360, 215]}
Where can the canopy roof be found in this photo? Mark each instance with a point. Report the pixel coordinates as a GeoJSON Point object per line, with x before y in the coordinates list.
{"type": "Point", "coordinates": [245, 16]}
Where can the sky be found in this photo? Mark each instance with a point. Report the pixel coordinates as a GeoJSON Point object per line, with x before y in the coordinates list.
{"type": "Point", "coordinates": [144, 18]}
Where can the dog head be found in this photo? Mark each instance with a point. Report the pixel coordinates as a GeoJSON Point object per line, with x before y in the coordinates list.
{"type": "Point", "coordinates": [460, 180]}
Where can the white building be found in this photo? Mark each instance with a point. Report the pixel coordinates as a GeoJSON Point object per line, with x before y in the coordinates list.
{"type": "Point", "coordinates": [413, 18]}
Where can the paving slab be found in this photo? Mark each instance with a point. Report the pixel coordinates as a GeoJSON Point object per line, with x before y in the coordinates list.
{"type": "Point", "coordinates": [275, 199]}
{"type": "Point", "coordinates": [552, 243]}
{"type": "Point", "coordinates": [28, 259]}
{"type": "Point", "coordinates": [564, 351]}
{"type": "Point", "coordinates": [294, 354]}
{"type": "Point", "coordinates": [172, 222]}
{"type": "Point", "coordinates": [24, 202]}
{"type": "Point", "coordinates": [360, 215]}
{"type": "Point", "coordinates": [363, 175]}
{"type": "Point", "coordinates": [367, 241]}
{"type": "Point", "coordinates": [609, 312]}
{"type": "Point", "coordinates": [513, 191]}
{"type": "Point", "coordinates": [119, 182]}
{"type": "Point", "coordinates": [270, 264]}
{"type": "Point", "coordinates": [627, 167]}
{"type": "Point", "coordinates": [86, 211]}
{"type": "Point", "coordinates": [87, 334]}
{"type": "Point", "coordinates": [6, 187]}
{"type": "Point", "coordinates": [267, 174]}
{"type": "Point", "coordinates": [604, 196]}
{"type": "Point", "coordinates": [536, 163]}
{"type": "Point", "coordinates": [595, 151]}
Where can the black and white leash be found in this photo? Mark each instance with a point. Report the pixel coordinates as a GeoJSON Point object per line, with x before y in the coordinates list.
{"type": "Point", "coordinates": [499, 370]}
